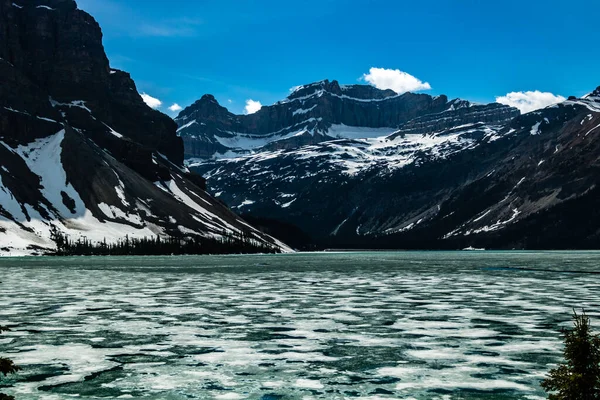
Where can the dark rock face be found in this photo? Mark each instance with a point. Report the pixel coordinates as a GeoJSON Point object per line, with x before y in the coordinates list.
{"type": "Point", "coordinates": [57, 48]}
{"type": "Point", "coordinates": [80, 152]}
{"type": "Point", "coordinates": [459, 113]}
{"type": "Point", "coordinates": [306, 117]}
{"type": "Point", "coordinates": [66, 58]}
{"type": "Point", "coordinates": [477, 176]}
{"type": "Point", "coordinates": [540, 192]}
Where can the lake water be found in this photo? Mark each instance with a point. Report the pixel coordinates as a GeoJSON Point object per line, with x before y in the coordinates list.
{"type": "Point", "coordinates": [416, 325]}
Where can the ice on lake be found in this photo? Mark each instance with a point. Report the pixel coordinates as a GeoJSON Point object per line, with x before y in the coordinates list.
{"type": "Point", "coordinates": [420, 325]}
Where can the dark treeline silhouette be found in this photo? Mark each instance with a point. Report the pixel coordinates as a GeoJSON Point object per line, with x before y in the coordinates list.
{"type": "Point", "coordinates": [156, 246]}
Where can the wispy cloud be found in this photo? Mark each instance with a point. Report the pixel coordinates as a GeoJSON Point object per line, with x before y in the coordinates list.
{"type": "Point", "coordinates": [399, 81]}
{"type": "Point", "coordinates": [530, 100]}
{"type": "Point", "coordinates": [178, 27]}
{"type": "Point", "coordinates": [252, 106]}
{"type": "Point", "coordinates": [152, 102]}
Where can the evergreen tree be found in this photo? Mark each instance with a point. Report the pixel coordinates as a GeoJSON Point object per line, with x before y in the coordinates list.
{"type": "Point", "coordinates": [6, 367]}
{"type": "Point", "coordinates": [579, 377]}
{"type": "Point", "coordinates": [229, 243]}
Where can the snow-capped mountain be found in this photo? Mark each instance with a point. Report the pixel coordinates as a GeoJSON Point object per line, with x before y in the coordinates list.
{"type": "Point", "coordinates": [313, 186]}
{"type": "Point", "coordinates": [351, 134]}
{"type": "Point", "coordinates": [320, 112]}
{"type": "Point", "coordinates": [450, 176]}
{"type": "Point", "coordinates": [80, 152]}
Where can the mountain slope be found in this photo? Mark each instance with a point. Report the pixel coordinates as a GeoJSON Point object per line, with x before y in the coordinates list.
{"type": "Point", "coordinates": [464, 176]}
{"type": "Point", "coordinates": [542, 191]}
{"type": "Point", "coordinates": [348, 187]}
{"type": "Point", "coordinates": [81, 152]}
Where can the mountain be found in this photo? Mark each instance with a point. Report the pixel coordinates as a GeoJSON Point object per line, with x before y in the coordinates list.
{"type": "Point", "coordinates": [320, 112]}
{"type": "Point", "coordinates": [541, 189]}
{"type": "Point", "coordinates": [81, 153]}
{"type": "Point", "coordinates": [450, 175]}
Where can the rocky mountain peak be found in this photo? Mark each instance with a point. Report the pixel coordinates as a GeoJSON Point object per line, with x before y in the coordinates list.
{"type": "Point", "coordinates": [326, 87]}
{"type": "Point", "coordinates": [322, 111]}
{"type": "Point", "coordinates": [208, 98]}
{"type": "Point", "coordinates": [206, 107]}
{"type": "Point", "coordinates": [303, 91]}
{"type": "Point", "coordinates": [367, 92]}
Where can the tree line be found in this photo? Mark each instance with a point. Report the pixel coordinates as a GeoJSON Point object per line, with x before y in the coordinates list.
{"type": "Point", "coordinates": [228, 243]}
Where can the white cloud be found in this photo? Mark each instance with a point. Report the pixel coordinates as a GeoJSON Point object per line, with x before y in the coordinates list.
{"type": "Point", "coordinates": [175, 107]}
{"type": "Point", "coordinates": [229, 101]}
{"type": "Point", "coordinates": [151, 101]}
{"type": "Point", "coordinates": [530, 101]}
{"type": "Point", "coordinates": [252, 106]}
{"type": "Point", "coordinates": [399, 81]}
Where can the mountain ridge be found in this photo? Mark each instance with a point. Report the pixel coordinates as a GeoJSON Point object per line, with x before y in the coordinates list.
{"type": "Point", "coordinates": [82, 154]}
{"type": "Point", "coordinates": [306, 117]}
{"type": "Point", "coordinates": [461, 177]}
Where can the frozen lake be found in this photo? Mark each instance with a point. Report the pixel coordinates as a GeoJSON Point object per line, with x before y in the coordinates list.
{"type": "Point", "coordinates": [389, 325]}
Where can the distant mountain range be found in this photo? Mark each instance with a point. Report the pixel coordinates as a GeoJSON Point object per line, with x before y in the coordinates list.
{"type": "Point", "coordinates": [80, 153]}
{"type": "Point", "coordinates": [357, 167]}
{"type": "Point", "coordinates": [321, 112]}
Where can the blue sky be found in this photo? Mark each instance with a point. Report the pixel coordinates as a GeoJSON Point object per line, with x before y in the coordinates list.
{"type": "Point", "coordinates": [238, 50]}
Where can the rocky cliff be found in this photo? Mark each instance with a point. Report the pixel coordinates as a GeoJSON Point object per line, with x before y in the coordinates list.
{"type": "Point", "coordinates": [80, 151]}
{"type": "Point", "coordinates": [316, 113]}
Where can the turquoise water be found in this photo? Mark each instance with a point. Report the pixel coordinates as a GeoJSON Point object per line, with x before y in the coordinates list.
{"type": "Point", "coordinates": [416, 325]}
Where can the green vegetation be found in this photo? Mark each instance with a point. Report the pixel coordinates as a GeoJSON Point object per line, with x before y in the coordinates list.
{"type": "Point", "coordinates": [229, 244]}
{"type": "Point", "coordinates": [579, 377]}
{"type": "Point", "coordinates": [6, 367]}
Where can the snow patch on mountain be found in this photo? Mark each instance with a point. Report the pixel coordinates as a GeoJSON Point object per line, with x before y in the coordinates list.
{"type": "Point", "coordinates": [74, 103]}
{"type": "Point", "coordinates": [304, 111]}
{"type": "Point", "coordinates": [28, 228]}
{"type": "Point", "coordinates": [347, 156]}
{"type": "Point", "coordinates": [342, 131]}
{"type": "Point", "coordinates": [43, 157]}
{"type": "Point", "coordinates": [240, 143]}
{"type": "Point", "coordinates": [591, 102]}
{"type": "Point", "coordinates": [186, 125]}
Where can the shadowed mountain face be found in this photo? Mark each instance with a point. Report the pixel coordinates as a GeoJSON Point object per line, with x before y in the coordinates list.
{"type": "Point", "coordinates": [448, 174]}
{"type": "Point", "coordinates": [80, 151]}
